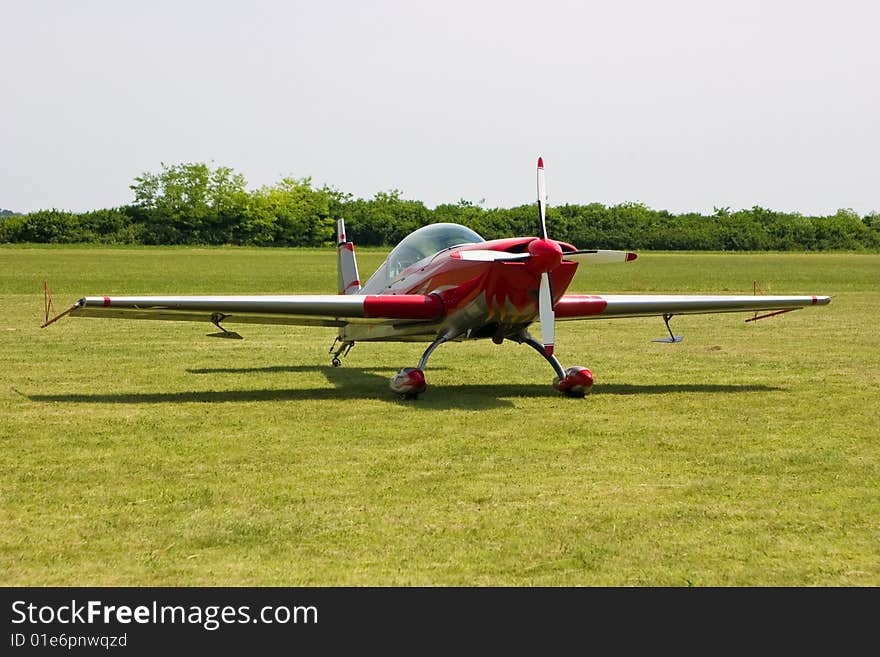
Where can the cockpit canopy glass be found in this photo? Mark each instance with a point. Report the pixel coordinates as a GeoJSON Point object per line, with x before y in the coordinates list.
{"type": "Point", "coordinates": [425, 242]}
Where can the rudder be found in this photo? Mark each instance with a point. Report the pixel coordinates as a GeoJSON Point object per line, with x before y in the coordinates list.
{"type": "Point", "coordinates": [348, 281]}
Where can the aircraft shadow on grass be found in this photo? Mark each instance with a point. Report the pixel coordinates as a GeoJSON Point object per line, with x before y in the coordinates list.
{"type": "Point", "coordinates": [356, 383]}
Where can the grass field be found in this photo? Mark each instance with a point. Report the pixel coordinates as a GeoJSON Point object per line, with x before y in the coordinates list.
{"type": "Point", "coordinates": [144, 453]}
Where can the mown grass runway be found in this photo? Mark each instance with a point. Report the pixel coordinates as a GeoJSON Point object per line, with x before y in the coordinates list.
{"type": "Point", "coordinates": [144, 453]}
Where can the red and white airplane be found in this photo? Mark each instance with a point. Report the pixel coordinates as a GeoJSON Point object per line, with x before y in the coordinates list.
{"type": "Point", "coordinates": [444, 282]}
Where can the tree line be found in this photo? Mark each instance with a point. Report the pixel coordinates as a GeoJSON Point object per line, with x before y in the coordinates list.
{"type": "Point", "coordinates": [196, 204]}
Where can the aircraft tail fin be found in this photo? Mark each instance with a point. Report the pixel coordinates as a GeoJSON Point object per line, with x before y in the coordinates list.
{"type": "Point", "coordinates": [346, 263]}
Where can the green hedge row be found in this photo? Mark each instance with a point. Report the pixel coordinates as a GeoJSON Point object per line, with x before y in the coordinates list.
{"type": "Point", "coordinates": [195, 204]}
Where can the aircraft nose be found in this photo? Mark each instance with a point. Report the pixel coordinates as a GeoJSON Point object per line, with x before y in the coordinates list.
{"type": "Point", "coordinates": [546, 255]}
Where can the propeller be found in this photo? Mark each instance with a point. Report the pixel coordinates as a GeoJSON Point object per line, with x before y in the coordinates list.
{"type": "Point", "coordinates": [599, 256]}
{"type": "Point", "coordinates": [543, 256]}
{"type": "Point", "coordinates": [591, 257]}
{"type": "Point", "coordinates": [542, 199]}
{"type": "Point", "coordinates": [546, 313]}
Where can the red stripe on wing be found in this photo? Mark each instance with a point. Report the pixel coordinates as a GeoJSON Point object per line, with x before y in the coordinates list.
{"type": "Point", "coordinates": [403, 306]}
{"type": "Point", "coordinates": [579, 306]}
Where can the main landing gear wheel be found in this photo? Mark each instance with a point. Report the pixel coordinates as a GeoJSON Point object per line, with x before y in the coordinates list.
{"type": "Point", "coordinates": [578, 381]}
{"type": "Point", "coordinates": [573, 382]}
{"type": "Point", "coordinates": [409, 383]}
{"type": "Point", "coordinates": [336, 362]}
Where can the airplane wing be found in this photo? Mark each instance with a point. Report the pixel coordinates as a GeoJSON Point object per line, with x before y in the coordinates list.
{"type": "Point", "coordinates": [572, 306]}
{"type": "Point", "coordinates": [310, 310]}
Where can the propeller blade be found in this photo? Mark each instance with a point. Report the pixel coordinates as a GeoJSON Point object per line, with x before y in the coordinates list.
{"type": "Point", "coordinates": [488, 255]}
{"type": "Point", "coordinates": [599, 257]}
{"type": "Point", "coordinates": [542, 199]}
{"type": "Point", "coordinates": [546, 314]}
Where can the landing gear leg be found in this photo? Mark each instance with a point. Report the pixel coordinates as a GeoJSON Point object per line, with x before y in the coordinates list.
{"type": "Point", "coordinates": [672, 337]}
{"type": "Point", "coordinates": [409, 382]}
{"type": "Point", "coordinates": [343, 349]}
{"type": "Point", "coordinates": [526, 338]}
{"type": "Point", "coordinates": [573, 382]}
{"type": "Point", "coordinates": [216, 318]}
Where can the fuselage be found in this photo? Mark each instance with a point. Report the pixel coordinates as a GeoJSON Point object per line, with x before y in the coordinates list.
{"type": "Point", "coordinates": [481, 299]}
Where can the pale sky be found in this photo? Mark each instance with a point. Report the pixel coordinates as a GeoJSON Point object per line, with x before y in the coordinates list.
{"type": "Point", "coordinates": [681, 105]}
